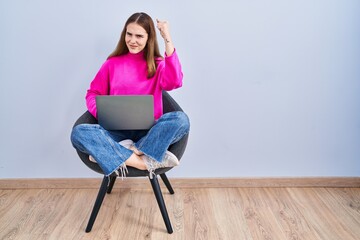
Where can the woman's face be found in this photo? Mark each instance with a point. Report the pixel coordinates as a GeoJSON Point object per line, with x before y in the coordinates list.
{"type": "Point", "coordinates": [136, 38]}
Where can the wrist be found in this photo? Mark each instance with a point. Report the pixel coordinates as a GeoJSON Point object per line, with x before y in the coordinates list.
{"type": "Point", "coordinates": [167, 39]}
{"type": "Point", "coordinates": [169, 50]}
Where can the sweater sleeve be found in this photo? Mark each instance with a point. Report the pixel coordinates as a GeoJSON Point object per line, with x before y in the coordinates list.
{"type": "Point", "coordinates": [170, 73]}
{"type": "Point", "coordinates": [99, 86]}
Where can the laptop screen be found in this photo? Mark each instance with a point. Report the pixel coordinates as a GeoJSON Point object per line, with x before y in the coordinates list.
{"type": "Point", "coordinates": [125, 112]}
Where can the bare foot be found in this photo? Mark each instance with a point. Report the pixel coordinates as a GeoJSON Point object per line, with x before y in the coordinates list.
{"type": "Point", "coordinates": [136, 162]}
{"type": "Point", "coordinates": [137, 152]}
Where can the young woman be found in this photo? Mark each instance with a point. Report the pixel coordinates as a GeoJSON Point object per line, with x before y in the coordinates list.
{"type": "Point", "coordinates": [135, 68]}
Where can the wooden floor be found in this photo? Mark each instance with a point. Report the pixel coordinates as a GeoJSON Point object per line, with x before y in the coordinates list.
{"type": "Point", "coordinates": [195, 213]}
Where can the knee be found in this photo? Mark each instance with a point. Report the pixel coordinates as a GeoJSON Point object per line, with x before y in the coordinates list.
{"type": "Point", "coordinates": [77, 134]}
{"type": "Point", "coordinates": [177, 119]}
{"type": "Point", "coordinates": [185, 120]}
{"type": "Point", "coordinates": [182, 120]}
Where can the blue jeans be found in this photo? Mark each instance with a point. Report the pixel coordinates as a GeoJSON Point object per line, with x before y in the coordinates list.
{"type": "Point", "coordinates": [104, 145]}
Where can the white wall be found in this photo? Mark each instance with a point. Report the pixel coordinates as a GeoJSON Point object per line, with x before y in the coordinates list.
{"type": "Point", "coordinates": [272, 87]}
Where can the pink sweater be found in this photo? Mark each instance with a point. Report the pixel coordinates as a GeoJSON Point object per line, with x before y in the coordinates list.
{"type": "Point", "coordinates": [127, 75]}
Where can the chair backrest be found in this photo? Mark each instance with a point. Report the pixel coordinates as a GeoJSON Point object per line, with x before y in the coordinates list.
{"type": "Point", "coordinates": [178, 148]}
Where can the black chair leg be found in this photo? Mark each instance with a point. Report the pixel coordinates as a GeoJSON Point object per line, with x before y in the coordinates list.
{"type": "Point", "coordinates": [98, 202]}
{"type": "Point", "coordinates": [111, 185]}
{"type": "Point", "coordinates": [167, 183]}
{"type": "Point", "coordinates": [159, 197]}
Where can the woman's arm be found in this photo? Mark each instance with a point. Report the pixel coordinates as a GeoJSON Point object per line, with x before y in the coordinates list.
{"type": "Point", "coordinates": [164, 29]}
{"type": "Point", "coordinates": [170, 72]}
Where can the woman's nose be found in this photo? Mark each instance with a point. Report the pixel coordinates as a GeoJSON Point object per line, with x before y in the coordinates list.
{"type": "Point", "coordinates": [132, 40]}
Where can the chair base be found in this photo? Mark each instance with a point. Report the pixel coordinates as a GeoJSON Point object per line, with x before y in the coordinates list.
{"type": "Point", "coordinates": [107, 185]}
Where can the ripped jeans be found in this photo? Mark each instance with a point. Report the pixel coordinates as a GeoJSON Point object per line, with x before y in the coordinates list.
{"type": "Point", "coordinates": [104, 147]}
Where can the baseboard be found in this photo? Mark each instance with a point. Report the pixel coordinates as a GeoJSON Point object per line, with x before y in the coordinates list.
{"type": "Point", "coordinates": [142, 183]}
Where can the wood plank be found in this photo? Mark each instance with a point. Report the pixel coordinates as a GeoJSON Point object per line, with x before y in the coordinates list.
{"type": "Point", "coordinates": [342, 213]}
{"type": "Point", "coordinates": [288, 215]}
{"type": "Point", "coordinates": [230, 220]}
{"type": "Point", "coordinates": [319, 216]}
{"type": "Point", "coordinates": [199, 215]}
{"type": "Point", "coordinates": [259, 218]}
{"type": "Point", "coordinates": [142, 183]}
{"type": "Point", "coordinates": [195, 213]}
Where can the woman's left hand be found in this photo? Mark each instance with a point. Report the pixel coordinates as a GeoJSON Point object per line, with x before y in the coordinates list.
{"type": "Point", "coordinates": [164, 29]}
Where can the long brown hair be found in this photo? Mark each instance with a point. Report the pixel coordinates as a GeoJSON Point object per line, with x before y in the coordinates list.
{"type": "Point", "coordinates": [151, 50]}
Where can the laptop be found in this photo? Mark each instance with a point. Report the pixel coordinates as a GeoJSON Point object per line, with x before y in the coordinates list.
{"type": "Point", "coordinates": [125, 112]}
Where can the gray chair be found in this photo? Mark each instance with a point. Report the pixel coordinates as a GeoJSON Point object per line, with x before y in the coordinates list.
{"type": "Point", "coordinates": [178, 148]}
